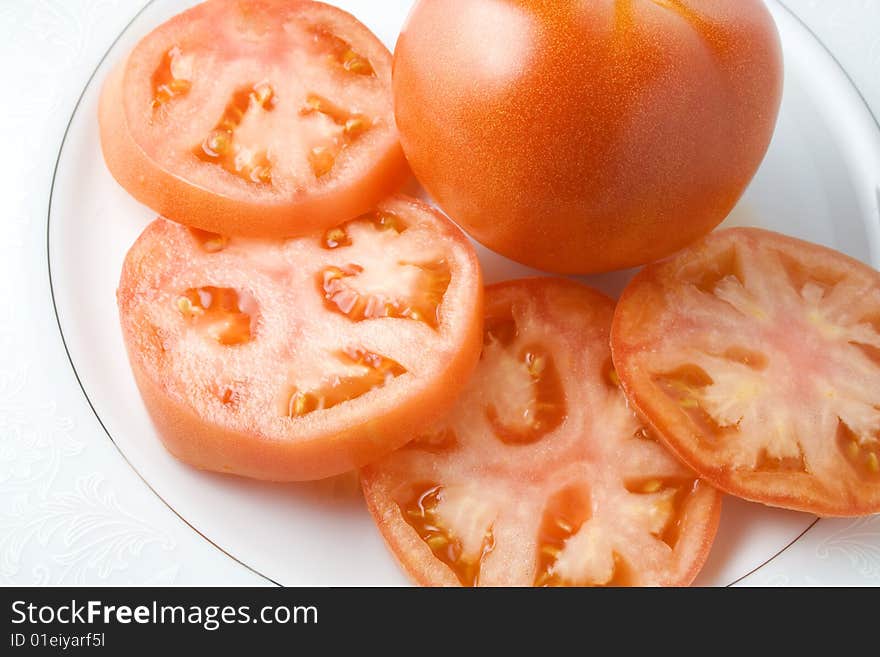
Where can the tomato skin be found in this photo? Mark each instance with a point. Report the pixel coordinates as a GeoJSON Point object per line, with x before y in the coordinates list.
{"type": "Point", "coordinates": [593, 136]}
{"type": "Point", "coordinates": [314, 448]}
{"type": "Point", "coordinates": [175, 196]}
{"type": "Point", "coordinates": [575, 315]}
{"type": "Point", "coordinates": [649, 301]}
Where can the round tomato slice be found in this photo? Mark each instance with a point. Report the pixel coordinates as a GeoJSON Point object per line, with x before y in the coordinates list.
{"type": "Point", "coordinates": [756, 357]}
{"type": "Point", "coordinates": [301, 358]}
{"type": "Point", "coordinates": [264, 118]}
{"type": "Point", "coordinates": [541, 475]}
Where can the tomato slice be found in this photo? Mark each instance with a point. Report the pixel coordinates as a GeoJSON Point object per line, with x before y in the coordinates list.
{"type": "Point", "coordinates": [261, 118]}
{"type": "Point", "coordinates": [541, 475]}
{"type": "Point", "coordinates": [756, 357]}
{"type": "Point", "coordinates": [306, 357]}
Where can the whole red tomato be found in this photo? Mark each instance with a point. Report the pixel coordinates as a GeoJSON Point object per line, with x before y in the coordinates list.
{"type": "Point", "coordinates": [587, 135]}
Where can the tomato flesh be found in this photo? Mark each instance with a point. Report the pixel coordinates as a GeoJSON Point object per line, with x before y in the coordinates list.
{"type": "Point", "coordinates": [217, 311]}
{"type": "Point", "coordinates": [755, 357]}
{"type": "Point", "coordinates": [261, 117]}
{"type": "Point", "coordinates": [362, 295]}
{"type": "Point", "coordinates": [422, 513]}
{"type": "Point", "coordinates": [219, 146]}
{"type": "Point", "coordinates": [376, 371]}
{"type": "Point", "coordinates": [247, 368]}
{"type": "Point", "coordinates": [541, 475]}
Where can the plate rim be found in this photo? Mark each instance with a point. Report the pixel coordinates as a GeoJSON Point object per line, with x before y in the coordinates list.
{"type": "Point", "coordinates": [269, 580]}
{"type": "Point", "coordinates": [76, 375]}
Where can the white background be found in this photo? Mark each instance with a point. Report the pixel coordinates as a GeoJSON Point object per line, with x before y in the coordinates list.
{"type": "Point", "coordinates": [71, 509]}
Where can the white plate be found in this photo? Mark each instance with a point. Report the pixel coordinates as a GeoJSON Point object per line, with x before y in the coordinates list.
{"type": "Point", "coordinates": [819, 182]}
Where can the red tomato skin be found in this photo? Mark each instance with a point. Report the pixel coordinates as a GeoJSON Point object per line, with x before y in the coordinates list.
{"type": "Point", "coordinates": [183, 201]}
{"type": "Point", "coordinates": [643, 294]}
{"type": "Point", "coordinates": [209, 445]}
{"type": "Point", "coordinates": [591, 136]}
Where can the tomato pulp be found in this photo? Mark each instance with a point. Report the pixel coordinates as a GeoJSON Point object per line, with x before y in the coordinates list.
{"type": "Point", "coordinates": [301, 358]}
{"type": "Point", "coordinates": [541, 475]}
{"type": "Point", "coordinates": [261, 118]}
{"type": "Point", "coordinates": [756, 358]}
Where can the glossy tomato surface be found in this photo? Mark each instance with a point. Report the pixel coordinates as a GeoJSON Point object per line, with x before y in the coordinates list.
{"type": "Point", "coordinates": [583, 136]}
{"type": "Point", "coordinates": [254, 117]}
{"type": "Point", "coordinates": [541, 475]}
{"type": "Point", "coordinates": [301, 358]}
{"type": "Point", "coordinates": [756, 357]}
